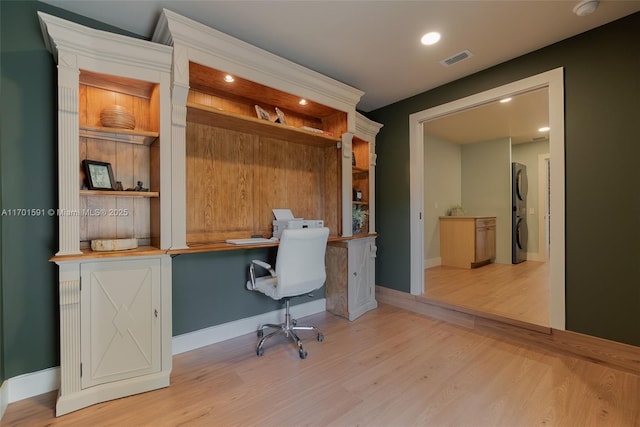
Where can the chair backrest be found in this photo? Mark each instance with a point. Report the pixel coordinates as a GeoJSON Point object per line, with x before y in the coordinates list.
{"type": "Point", "coordinates": [300, 266]}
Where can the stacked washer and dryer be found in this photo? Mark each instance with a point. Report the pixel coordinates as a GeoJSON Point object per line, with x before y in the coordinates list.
{"type": "Point", "coordinates": [519, 188]}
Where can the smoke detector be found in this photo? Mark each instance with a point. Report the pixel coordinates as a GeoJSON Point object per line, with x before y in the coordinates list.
{"type": "Point", "coordinates": [586, 7]}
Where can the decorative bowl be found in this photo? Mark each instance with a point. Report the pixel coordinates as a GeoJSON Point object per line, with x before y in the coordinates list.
{"type": "Point", "coordinates": [116, 116]}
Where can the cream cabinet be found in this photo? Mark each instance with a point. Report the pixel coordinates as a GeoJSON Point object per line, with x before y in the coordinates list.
{"type": "Point", "coordinates": [121, 320]}
{"type": "Point", "coordinates": [350, 285]}
{"type": "Point", "coordinates": [467, 241]}
{"type": "Point", "coordinates": [115, 306]}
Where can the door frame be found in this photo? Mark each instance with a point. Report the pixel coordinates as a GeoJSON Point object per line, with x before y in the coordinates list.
{"type": "Point", "coordinates": [544, 162]}
{"type": "Point", "coordinates": [554, 81]}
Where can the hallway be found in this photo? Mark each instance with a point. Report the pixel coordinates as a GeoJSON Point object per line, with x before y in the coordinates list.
{"type": "Point", "coordinates": [514, 291]}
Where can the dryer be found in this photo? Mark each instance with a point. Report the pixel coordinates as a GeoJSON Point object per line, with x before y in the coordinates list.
{"type": "Point", "coordinates": [520, 232]}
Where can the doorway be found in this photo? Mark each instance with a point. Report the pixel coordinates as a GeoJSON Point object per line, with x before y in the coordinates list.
{"type": "Point", "coordinates": [553, 81]}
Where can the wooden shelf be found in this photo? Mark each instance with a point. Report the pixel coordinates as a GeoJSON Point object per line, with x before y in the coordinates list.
{"type": "Point", "coordinates": [87, 253]}
{"type": "Point", "coordinates": [357, 171]}
{"type": "Point", "coordinates": [130, 136]}
{"type": "Point", "coordinates": [107, 193]}
{"type": "Point", "coordinates": [361, 203]}
{"type": "Point", "coordinates": [226, 120]}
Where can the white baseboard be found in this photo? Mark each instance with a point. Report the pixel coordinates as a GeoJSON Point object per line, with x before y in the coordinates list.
{"type": "Point", "coordinates": [4, 398]}
{"type": "Point", "coordinates": [193, 340]}
{"type": "Point", "coordinates": [534, 256]}
{"type": "Point", "coordinates": [432, 262]}
{"type": "Point", "coordinates": [35, 383]}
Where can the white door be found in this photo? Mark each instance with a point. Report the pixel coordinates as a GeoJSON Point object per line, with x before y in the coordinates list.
{"type": "Point", "coordinates": [120, 320]}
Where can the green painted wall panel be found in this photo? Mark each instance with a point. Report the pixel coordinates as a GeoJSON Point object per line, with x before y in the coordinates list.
{"type": "Point", "coordinates": [210, 289]}
{"type": "Point", "coordinates": [602, 150]}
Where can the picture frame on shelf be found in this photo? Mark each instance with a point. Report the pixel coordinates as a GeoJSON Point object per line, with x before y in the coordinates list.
{"type": "Point", "coordinates": [282, 119]}
{"type": "Point", "coordinates": [99, 175]}
{"type": "Point", "coordinates": [262, 113]}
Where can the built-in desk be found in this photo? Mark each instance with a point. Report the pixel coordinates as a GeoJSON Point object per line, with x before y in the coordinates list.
{"type": "Point", "coordinates": [350, 263]}
{"type": "Point", "coordinates": [224, 246]}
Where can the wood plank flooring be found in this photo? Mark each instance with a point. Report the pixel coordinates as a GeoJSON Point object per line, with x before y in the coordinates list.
{"type": "Point", "coordinates": [390, 367]}
{"type": "Point", "coordinates": [516, 291]}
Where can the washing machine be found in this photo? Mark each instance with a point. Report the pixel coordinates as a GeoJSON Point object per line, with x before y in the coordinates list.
{"type": "Point", "coordinates": [520, 232]}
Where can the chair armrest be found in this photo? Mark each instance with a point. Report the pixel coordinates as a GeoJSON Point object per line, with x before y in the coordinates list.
{"type": "Point", "coordinates": [264, 265]}
{"type": "Point", "coordinates": [252, 273]}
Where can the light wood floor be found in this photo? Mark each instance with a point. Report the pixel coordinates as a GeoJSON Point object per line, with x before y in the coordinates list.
{"type": "Point", "coordinates": [516, 291]}
{"type": "Point", "coordinates": [390, 367]}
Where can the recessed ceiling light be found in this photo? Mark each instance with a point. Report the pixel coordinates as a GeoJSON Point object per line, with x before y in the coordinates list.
{"type": "Point", "coordinates": [544, 129]}
{"type": "Point", "coordinates": [505, 100]}
{"type": "Point", "coordinates": [302, 102]}
{"type": "Point", "coordinates": [229, 78]}
{"type": "Point", "coordinates": [430, 38]}
{"type": "Point", "coordinates": [586, 7]}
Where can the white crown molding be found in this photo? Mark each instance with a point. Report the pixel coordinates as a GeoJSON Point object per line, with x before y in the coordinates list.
{"type": "Point", "coordinates": [221, 51]}
{"type": "Point", "coordinates": [367, 127]}
{"type": "Point", "coordinates": [62, 35]}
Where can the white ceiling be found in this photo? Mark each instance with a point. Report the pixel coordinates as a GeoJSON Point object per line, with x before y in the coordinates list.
{"type": "Point", "coordinates": [519, 119]}
{"type": "Point", "coordinates": [374, 45]}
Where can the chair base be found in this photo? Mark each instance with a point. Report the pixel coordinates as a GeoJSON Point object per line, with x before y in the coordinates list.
{"type": "Point", "coordinates": [288, 329]}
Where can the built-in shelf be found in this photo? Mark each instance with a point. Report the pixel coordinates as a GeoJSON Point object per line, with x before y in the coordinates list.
{"type": "Point", "coordinates": [131, 136]}
{"type": "Point", "coordinates": [212, 116]}
{"type": "Point", "coordinates": [361, 203]}
{"type": "Point", "coordinates": [109, 193]}
{"type": "Point", "coordinates": [356, 170]}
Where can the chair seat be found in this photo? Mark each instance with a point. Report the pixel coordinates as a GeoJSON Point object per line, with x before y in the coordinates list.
{"type": "Point", "coordinates": [266, 285]}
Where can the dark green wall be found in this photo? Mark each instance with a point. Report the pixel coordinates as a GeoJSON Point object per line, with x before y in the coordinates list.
{"type": "Point", "coordinates": [602, 154]}
{"type": "Point", "coordinates": [208, 289]}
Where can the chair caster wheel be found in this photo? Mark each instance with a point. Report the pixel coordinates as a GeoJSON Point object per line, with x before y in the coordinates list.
{"type": "Point", "coordinates": [303, 354]}
{"type": "Point", "coordinates": [260, 352]}
{"type": "Point", "coordinates": [260, 333]}
{"type": "Point", "coordinates": [320, 337]}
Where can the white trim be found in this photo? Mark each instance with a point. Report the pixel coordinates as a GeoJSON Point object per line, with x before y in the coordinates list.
{"type": "Point", "coordinates": [4, 398]}
{"type": "Point", "coordinates": [432, 262]}
{"type": "Point", "coordinates": [554, 81]}
{"type": "Point", "coordinates": [542, 205]}
{"type": "Point", "coordinates": [203, 337]}
{"type": "Point", "coordinates": [534, 256]}
{"type": "Point", "coordinates": [32, 384]}
{"type": "Point", "coordinates": [215, 49]}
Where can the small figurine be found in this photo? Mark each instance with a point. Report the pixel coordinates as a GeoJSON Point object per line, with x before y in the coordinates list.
{"type": "Point", "coordinates": [138, 187]}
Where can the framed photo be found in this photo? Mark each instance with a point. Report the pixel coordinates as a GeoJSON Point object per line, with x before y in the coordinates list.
{"type": "Point", "coordinates": [262, 114]}
{"type": "Point", "coordinates": [99, 175]}
{"type": "Point", "coordinates": [281, 118]}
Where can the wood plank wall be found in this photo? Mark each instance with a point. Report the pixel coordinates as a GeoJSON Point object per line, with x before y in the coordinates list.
{"type": "Point", "coordinates": [234, 180]}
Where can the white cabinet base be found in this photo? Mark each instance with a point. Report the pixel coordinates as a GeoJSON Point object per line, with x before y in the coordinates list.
{"type": "Point", "coordinates": [350, 285]}
{"type": "Point", "coordinates": [79, 387]}
{"type": "Point", "coordinates": [104, 392]}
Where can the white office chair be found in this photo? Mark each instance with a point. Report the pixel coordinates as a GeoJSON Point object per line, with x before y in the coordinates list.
{"type": "Point", "coordinates": [300, 269]}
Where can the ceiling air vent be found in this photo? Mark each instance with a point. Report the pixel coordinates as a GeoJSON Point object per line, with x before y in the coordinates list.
{"type": "Point", "coordinates": [465, 54]}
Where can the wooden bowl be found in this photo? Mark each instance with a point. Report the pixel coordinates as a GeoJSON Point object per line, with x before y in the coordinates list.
{"type": "Point", "coordinates": [116, 116]}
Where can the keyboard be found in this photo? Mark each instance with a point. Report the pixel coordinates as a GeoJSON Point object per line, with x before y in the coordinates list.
{"type": "Point", "coordinates": [252, 241]}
